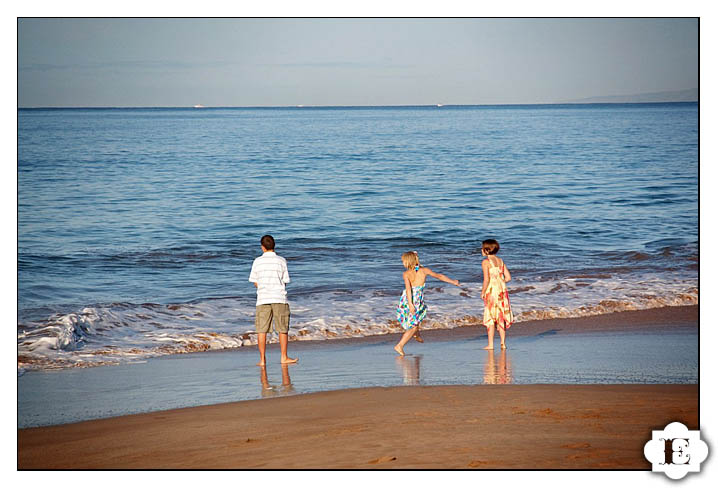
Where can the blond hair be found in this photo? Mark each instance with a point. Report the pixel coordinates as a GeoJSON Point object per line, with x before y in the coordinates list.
{"type": "Point", "coordinates": [410, 259]}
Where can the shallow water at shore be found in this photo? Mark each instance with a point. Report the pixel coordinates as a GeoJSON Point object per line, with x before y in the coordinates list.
{"type": "Point", "coordinates": [57, 397]}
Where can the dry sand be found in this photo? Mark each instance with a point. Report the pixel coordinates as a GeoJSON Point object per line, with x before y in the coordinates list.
{"type": "Point", "coordinates": [436, 427]}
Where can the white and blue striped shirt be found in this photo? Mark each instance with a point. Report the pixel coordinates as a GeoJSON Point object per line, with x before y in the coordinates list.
{"type": "Point", "coordinates": [270, 273]}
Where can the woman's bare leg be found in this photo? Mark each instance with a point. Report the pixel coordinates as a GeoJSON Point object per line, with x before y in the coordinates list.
{"type": "Point", "coordinates": [490, 346]}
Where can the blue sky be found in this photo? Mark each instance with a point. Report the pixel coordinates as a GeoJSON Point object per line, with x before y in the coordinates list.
{"type": "Point", "coordinates": [279, 62]}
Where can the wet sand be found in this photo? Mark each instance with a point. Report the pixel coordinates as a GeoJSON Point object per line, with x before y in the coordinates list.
{"type": "Point", "coordinates": [432, 427]}
{"type": "Point", "coordinates": [437, 427]}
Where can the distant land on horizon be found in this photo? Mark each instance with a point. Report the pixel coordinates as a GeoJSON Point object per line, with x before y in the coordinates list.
{"type": "Point", "coordinates": [690, 95]}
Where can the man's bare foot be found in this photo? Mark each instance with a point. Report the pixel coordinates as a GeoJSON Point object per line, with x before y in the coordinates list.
{"type": "Point", "coordinates": [399, 350]}
{"type": "Point", "coordinates": [289, 360]}
{"type": "Point", "coordinates": [503, 346]}
{"type": "Point", "coordinates": [490, 347]}
{"type": "Point", "coordinates": [418, 338]}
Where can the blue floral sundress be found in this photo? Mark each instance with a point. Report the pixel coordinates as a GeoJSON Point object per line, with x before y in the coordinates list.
{"type": "Point", "coordinates": [405, 318]}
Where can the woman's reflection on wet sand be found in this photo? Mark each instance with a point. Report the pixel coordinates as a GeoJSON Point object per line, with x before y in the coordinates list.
{"type": "Point", "coordinates": [409, 366]}
{"type": "Point", "coordinates": [269, 390]}
{"type": "Point", "coordinates": [498, 372]}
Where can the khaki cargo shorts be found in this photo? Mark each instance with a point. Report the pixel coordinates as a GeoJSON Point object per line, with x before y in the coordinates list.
{"type": "Point", "coordinates": [267, 312]}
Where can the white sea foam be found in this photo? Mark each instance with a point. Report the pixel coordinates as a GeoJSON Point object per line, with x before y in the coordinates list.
{"type": "Point", "coordinates": [119, 333]}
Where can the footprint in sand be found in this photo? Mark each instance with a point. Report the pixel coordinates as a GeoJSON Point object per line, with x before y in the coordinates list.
{"type": "Point", "coordinates": [382, 460]}
{"type": "Point", "coordinates": [577, 445]}
{"type": "Point", "coordinates": [477, 463]}
{"type": "Point", "coordinates": [578, 456]}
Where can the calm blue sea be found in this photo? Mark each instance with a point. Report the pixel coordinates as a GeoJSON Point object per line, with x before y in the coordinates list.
{"type": "Point", "coordinates": [137, 227]}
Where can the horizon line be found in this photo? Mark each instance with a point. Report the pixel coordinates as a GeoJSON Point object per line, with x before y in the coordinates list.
{"type": "Point", "coordinates": [304, 106]}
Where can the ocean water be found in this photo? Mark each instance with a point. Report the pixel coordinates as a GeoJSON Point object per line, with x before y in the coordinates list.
{"type": "Point", "coordinates": [137, 227]}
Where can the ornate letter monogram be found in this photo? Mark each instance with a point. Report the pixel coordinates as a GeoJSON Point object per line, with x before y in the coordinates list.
{"type": "Point", "coordinates": [676, 451]}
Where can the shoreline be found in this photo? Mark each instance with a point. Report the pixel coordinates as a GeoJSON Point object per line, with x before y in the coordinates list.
{"type": "Point", "coordinates": [387, 425]}
{"type": "Point", "coordinates": [414, 427]}
{"type": "Point", "coordinates": [658, 319]}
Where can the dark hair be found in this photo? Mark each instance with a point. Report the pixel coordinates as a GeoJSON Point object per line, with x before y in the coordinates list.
{"type": "Point", "coordinates": [490, 246]}
{"type": "Point", "coordinates": [268, 242]}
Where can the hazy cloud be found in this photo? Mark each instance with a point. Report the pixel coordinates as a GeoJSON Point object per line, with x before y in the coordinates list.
{"type": "Point", "coordinates": [355, 61]}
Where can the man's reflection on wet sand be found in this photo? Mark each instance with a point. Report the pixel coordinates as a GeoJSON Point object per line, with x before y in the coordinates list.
{"type": "Point", "coordinates": [269, 390]}
{"type": "Point", "coordinates": [498, 371]}
{"type": "Point", "coordinates": [409, 366]}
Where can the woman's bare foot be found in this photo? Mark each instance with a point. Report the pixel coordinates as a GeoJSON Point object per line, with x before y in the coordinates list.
{"type": "Point", "coordinates": [289, 360]}
{"type": "Point", "coordinates": [490, 347]}
{"type": "Point", "coordinates": [503, 346]}
{"type": "Point", "coordinates": [418, 338]}
{"type": "Point", "coordinates": [262, 364]}
{"type": "Point", "coordinates": [399, 350]}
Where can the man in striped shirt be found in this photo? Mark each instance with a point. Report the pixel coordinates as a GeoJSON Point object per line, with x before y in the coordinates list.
{"type": "Point", "coordinates": [269, 274]}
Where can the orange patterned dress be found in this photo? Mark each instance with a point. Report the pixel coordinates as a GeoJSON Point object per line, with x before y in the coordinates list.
{"type": "Point", "coordinates": [497, 307]}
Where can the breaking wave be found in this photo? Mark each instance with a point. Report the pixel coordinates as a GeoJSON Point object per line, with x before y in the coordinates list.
{"type": "Point", "coordinates": [125, 332]}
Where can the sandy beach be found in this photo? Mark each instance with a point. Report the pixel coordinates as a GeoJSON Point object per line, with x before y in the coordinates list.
{"type": "Point", "coordinates": [173, 174]}
{"type": "Point", "coordinates": [438, 427]}
{"type": "Point", "coordinates": [560, 426]}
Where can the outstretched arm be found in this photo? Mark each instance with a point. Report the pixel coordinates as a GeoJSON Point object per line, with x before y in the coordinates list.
{"type": "Point", "coordinates": [441, 277]}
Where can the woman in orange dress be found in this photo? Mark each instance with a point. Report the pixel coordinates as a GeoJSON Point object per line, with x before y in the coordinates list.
{"type": "Point", "coordinates": [497, 308]}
